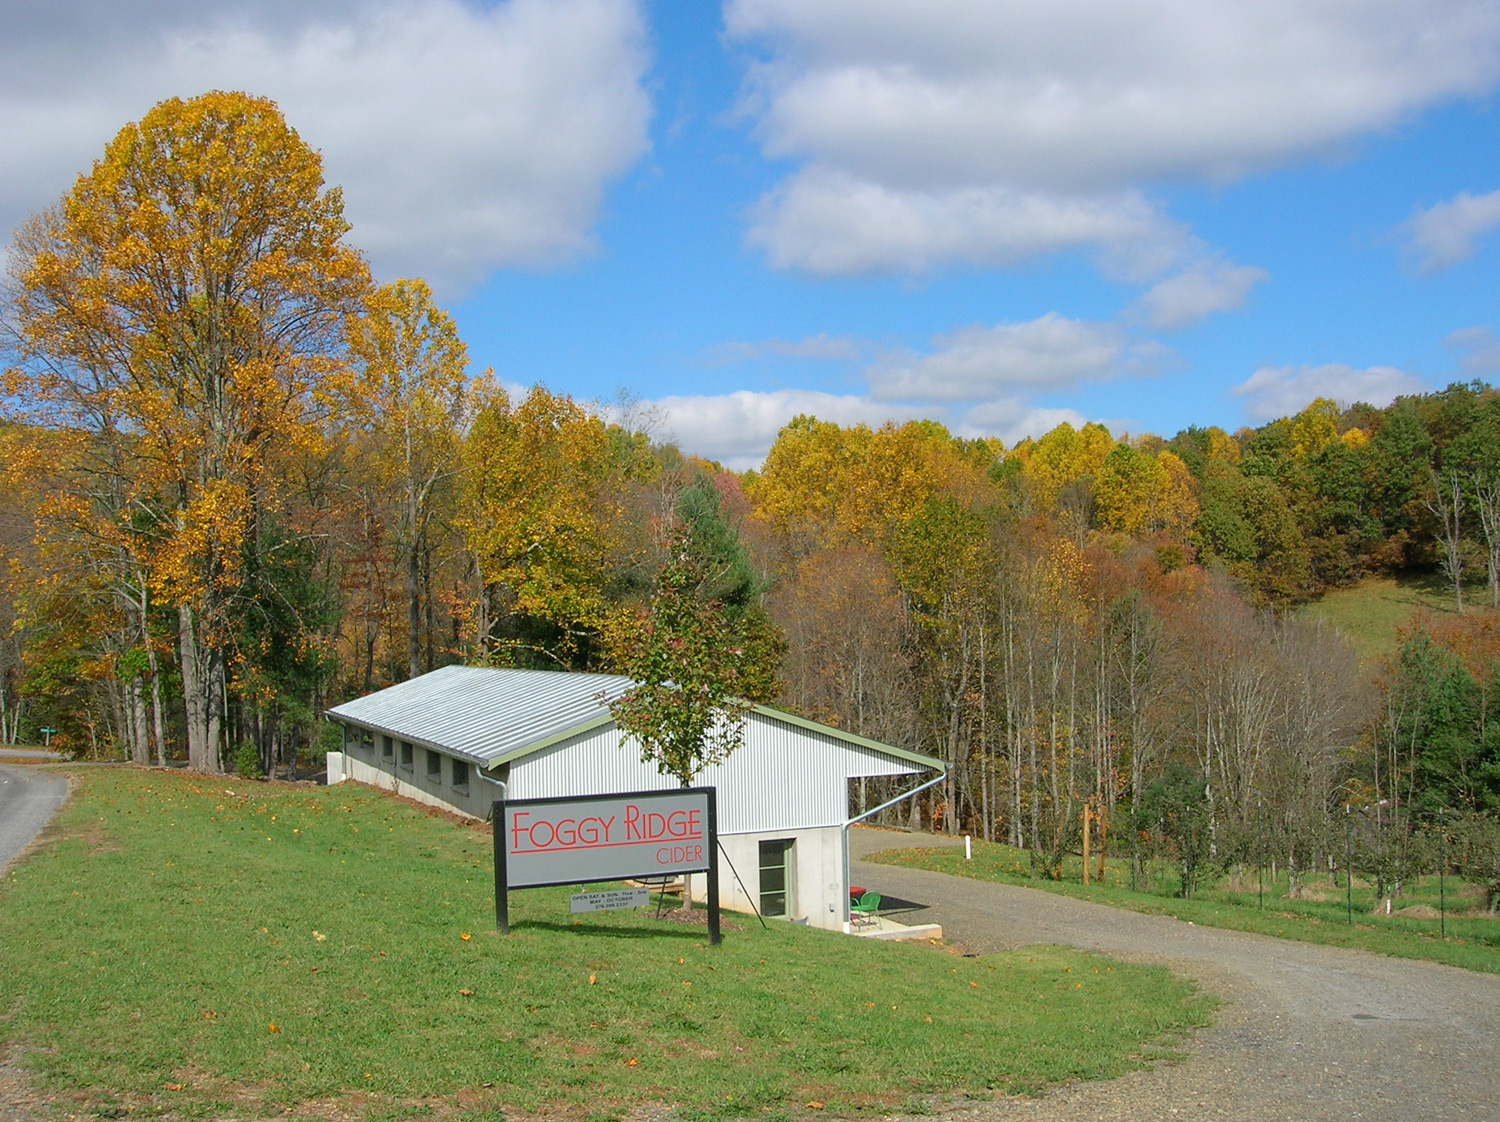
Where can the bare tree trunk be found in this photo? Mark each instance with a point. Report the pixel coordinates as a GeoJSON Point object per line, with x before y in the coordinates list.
{"type": "Point", "coordinates": [158, 717]}
{"type": "Point", "coordinates": [1447, 504]}
{"type": "Point", "coordinates": [413, 611]}
{"type": "Point", "coordinates": [203, 695]}
{"type": "Point", "coordinates": [140, 740]}
{"type": "Point", "coordinates": [1487, 499]}
{"type": "Point", "coordinates": [192, 689]}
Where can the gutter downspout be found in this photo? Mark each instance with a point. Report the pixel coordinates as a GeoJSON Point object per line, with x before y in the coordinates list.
{"type": "Point", "coordinates": [851, 821]}
{"type": "Point", "coordinates": [504, 791]}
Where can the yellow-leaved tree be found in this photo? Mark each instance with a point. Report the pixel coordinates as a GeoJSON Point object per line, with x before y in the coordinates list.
{"type": "Point", "coordinates": [184, 307]}
{"type": "Point", "coordinates": [825, 486]}
{"type": "Point", "coordinates": [540, 508]}
{"type": "Point", "coordinates": [408, 411]}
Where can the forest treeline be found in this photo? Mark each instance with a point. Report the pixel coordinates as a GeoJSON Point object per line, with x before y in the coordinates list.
{"type": "Point", "coordinates": [243, 482]}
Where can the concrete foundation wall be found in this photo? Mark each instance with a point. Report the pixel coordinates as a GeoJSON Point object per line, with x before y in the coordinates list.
{"type": "Point", "coordinates": [363, 764]}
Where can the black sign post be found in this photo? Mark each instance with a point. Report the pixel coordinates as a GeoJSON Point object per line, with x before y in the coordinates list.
{"type": "Point", "coordinates": [713, 870]}
{"type": "Point", "coordinates": [598, 838]}
{"type": "Point", "coordinates": [502, 889]}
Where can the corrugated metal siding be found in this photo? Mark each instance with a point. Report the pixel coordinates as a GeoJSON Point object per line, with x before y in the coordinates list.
{"type": "Point", "coordinates": [482, 713]}
{"type": "Point", "coordinates": [782, 777]}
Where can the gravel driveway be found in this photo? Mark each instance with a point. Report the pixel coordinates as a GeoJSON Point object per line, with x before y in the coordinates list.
{"type": "Point", "coordinates": [28, 798]}
{"type": "Point", "coordinates": [1306, 1032]}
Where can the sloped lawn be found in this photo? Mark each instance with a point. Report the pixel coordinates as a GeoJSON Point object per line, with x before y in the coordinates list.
{"type": "Point", "coordinates": [210, 947]}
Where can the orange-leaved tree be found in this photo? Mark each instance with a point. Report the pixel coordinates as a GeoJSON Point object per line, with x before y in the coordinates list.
{"type": "Point", "coordinates": [184, 307]}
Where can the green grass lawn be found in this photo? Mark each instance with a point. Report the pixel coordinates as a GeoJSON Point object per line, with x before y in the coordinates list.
{"type": "Point", "coordinates": [1371, 611]}
{"type": "Point", "coordinates": [1473, 941]}
{"type": "Point", "coordinates": [216, 948]}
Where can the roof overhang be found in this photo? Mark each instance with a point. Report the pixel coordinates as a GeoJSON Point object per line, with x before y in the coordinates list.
{"type": "Point", "coordinates": [853, 739]}
{"type": "Point", "coordinates": [410, 738]}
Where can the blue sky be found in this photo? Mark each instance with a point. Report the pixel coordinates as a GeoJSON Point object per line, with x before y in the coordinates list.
{"type": "Point", "coordinates": [1152, 213]}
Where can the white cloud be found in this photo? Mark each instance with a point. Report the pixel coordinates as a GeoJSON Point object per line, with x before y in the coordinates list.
{"type": "Point", "coordinates": [973, 380]}
{"type": "Point", "coordinates": [1198, 292]}
{"type": "Point", "coordinates": [814, 348]}
{"type": "Point", "coordinates": [1013, 420]}
{"type": "Point", "coordinates": [1479, 349]}
{"type": "Point", "coordinates": [737, 429]}
{"type": "Point", "coordinates": [978, 363]}
{"type": "Point", "coordinates": [467, 137]}
{"type": "Point", "coordinates": [828, 222]}
{"type": "Point", "coordinates": [932, 131]}
{"type": "Point", "coordinates": [1445, 234]}
{"type": "Point", "coordinates": [1281, 391]}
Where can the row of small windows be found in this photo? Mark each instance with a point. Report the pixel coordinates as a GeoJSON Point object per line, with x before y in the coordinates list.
{"type": "Point", "coordinates": [459, 769]}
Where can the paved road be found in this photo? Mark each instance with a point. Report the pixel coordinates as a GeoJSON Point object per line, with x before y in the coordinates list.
{"type": "Point", "coordinates": [29, 796]}
{"type": "Point", "coordinates": [1307, 1033]}
{"type": "Point", "coordinates": [29, 754]}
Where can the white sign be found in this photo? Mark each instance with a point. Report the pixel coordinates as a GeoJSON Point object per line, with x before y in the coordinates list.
{"type": "Point", "coordinates": [606, 837]}
{"type": "Point", "coordinates": [608, 901]}
{"type": "Point", "coordinates": [544, 842]}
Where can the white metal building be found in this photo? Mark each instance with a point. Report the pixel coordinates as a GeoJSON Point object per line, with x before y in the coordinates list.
{"type": "Point", "coordinates": [462, 737]}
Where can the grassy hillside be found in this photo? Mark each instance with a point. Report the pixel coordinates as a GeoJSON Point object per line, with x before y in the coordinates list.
{"type": "Point", "coordinates": [1371, 612]}
{"type": "Point", "coordinates": [201, 947]}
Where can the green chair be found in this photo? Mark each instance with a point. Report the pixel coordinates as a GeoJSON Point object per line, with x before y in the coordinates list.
{"type": "Point", "coordinates": [865, 912]}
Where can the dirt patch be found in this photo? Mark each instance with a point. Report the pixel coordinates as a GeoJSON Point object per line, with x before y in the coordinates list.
{"type": "Point", "coordinates": [19, 1102]}
{"type": "Point", "coordinates": [91, 834]}
{"type": "Point", "coordinates": [696, 918]}
{"type": "Point", "coordinates": [1419, 911]}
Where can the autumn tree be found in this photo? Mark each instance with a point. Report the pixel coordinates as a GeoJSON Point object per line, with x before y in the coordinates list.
{"type": "Point", "coordinates": [826, 486]}
{"type": "Point", "coordinates": [541, 508]}
{"type": "Point", "coordinates": [943, 562]}
{"type": "Point", "coordinates": [184, 306]}
{"type": "Point", "coordinates": [847, 629]}
{"type": "Point", "coordinates": [407, 411]}
{"type": "Point", "coordinates": [695, 674]}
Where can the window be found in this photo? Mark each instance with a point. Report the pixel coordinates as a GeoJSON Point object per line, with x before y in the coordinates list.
{"type": "Point", "coordinates": [406, 755]}
{"type": "Point", "coordinates": [776, 896]}
{"type": "Point", "coordinates": [385, 748]}
{"type": "Point", "coordinates": [434, 766]}
{"type": "Point", "coordinates": [460, 775]}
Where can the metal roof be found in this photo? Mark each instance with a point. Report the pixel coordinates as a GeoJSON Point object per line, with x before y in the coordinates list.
{"type": "Point", "coordinates": [483, 713]}
{"type": "Point", "coordinates": [494, 716]}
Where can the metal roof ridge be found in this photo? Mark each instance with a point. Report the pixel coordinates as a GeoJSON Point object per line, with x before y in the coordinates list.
{"type": "Point", "coordinates": [597, 719]}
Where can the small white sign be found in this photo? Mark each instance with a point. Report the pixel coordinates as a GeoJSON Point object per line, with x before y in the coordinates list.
{"type": "Point", "coordinates": [608, 901]}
